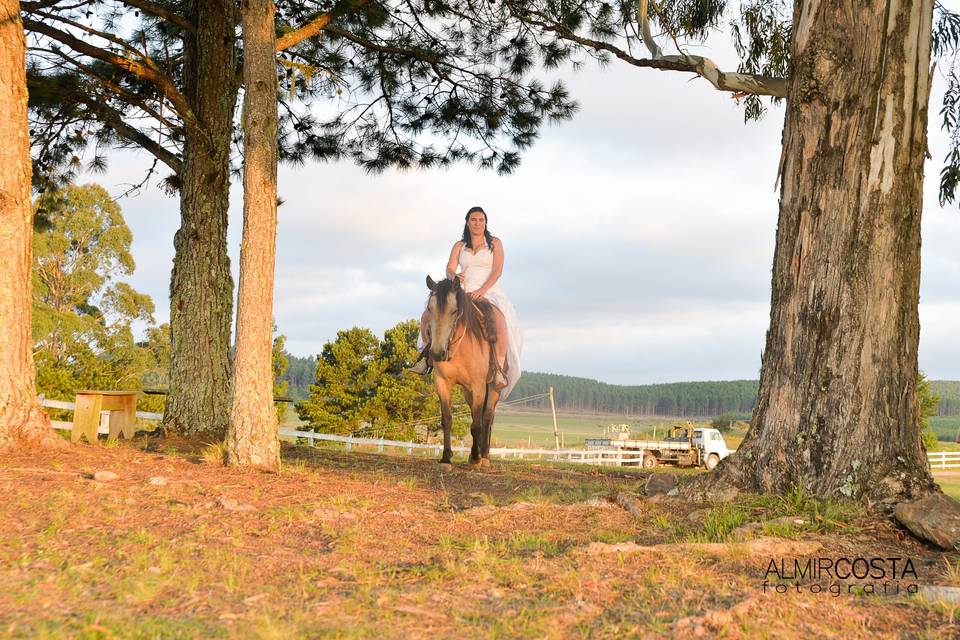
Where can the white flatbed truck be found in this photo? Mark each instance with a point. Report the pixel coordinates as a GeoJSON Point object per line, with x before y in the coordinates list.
{"type": "Point", "coordinates": [686, 447]}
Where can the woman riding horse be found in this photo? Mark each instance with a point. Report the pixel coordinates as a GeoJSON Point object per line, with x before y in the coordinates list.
{"type": "Point", "coordinates": [475, 335]}
{"type": "Point", "coordinates": [479, 256]}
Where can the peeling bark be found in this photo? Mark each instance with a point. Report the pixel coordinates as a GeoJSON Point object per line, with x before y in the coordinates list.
{"type": "Point", "coordinates": [22, 419]}
{"type": "Point", "coordinates": [837, 411]}
{"type": "Point", "coordinates": [252, 437]}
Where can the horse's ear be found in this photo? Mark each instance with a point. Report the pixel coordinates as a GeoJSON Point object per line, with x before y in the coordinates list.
{"type": "Point", "coordinates": [431, 284]}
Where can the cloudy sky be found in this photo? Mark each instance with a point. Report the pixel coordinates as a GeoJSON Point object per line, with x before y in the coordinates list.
{"type": "Point", "coordinates": [638, 237]}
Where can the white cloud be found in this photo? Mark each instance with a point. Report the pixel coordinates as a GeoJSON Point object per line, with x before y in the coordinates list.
{"type": "Point", "coordinates": [639, 238]}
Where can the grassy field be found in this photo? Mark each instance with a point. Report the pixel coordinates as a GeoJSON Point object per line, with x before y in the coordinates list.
{"type": "Point", "coordinates": [518, 428]}
{"type": "Point", "coordinates": [950, 483]}
{"type": "Point", "coordinates": [357, 545]}
{"type": "Point", "coordinates": [514, 428]}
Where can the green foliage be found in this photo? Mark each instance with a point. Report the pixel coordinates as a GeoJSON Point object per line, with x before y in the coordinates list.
{"type": "Point", "coordinates": [946, 47]}
{"type": "Point", "coordinates": [84, 317]}
{"type": "Point", "coordinates": [280, 383]}
{"type": "Point", "coordinates": [401, 84]}
{"type": "Point", "coordinates": [361, 389]}
{"type": "Point", "coordinates": [927, 402]}
{"type": "Point", "coordinates": [761, 36]}
{"type": "Point", "coordinates": [724, 423]}
{"type": "Point", "coordinates": [300, 375]}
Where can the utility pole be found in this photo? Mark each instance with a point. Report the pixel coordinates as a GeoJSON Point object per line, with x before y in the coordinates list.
{"type": "Point", "coordinates": [553, 409]}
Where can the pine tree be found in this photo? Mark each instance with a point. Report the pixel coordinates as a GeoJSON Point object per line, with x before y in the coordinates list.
{"type": "Point", "coordinates": [397, 75]}
{"type": "Point", "coordinates": [21, 417]}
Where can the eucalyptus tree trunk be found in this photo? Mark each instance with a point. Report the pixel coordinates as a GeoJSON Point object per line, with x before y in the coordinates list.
{"type": "Point", "coordinates": [201, 289]}
{"type": "Point", "coordinates": [837, 410]}
{"type": "Point", "coordinates": [21, 417]}
{"type": "Point", "coordinates": [252, 438]}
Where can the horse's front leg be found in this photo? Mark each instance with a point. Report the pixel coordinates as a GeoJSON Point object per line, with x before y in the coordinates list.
{"type": "Point", "coordinates": [493, 396]}
{"type": "Point", "coordinates": [446, 420]}
{"type": "Point", "coordinates": [475, 398]}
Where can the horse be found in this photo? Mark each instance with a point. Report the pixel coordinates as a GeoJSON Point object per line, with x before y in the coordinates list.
{"type": "Point", "coordinates": [462, 337]}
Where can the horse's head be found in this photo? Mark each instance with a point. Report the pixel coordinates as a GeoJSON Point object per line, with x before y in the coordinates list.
{"type": "Point", "coordinates": [445, 310]}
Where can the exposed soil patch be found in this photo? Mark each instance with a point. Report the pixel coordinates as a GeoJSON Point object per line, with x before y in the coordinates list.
{"type": "Point", "coordinates": [350, 544]}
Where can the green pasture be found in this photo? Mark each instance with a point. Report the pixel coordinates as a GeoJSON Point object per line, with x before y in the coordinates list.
{"type": "Point", "coordinates": [949, 483]}
{"type": "Point", "coordinates": [536, 429]}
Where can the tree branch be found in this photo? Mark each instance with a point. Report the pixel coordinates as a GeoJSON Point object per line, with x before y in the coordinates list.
{"type": "Point", "coordinates": [704, 67]}
{"type": "Point", "coordinates": [157, 78]}
{"type": "Point", "coordinates": [312, 28]}
{"type": "Point", "coordinates": [160, 11]}
{"type": "Point", "coordinates": [117, 120]}
{"type": "Point", "coordinates": [120, 92]}
{"type": "Point", "coordinates": [300, 34]}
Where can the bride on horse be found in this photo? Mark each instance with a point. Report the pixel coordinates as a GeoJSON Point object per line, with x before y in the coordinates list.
{"type": "Point", "coordinates": [479, 257]}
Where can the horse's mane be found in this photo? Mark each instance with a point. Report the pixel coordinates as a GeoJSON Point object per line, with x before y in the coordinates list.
{"type": "Point", "coordinates": [476, 314]}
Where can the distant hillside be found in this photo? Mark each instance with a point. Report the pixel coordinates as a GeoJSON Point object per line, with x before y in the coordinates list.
{"type": "Point", "coordinates": [949, 392]}
{"type": "Point", "coordinates": [301, 373]}
{"type": "Point", "coordinates": [689, 399]}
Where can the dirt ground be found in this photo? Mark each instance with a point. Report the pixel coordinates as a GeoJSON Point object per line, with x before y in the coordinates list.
{"type": "Point", "coordinates": [359, 545]}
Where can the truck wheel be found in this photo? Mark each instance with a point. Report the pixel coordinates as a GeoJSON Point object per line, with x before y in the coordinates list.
{"type": "Point", "coordinates": [712, 461]}
{"type": "Point", "coordinates": [649, 462]}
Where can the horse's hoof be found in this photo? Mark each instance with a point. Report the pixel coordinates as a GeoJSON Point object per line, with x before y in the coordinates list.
{"type": "Point", "coordinates": [446, 466]}
{"type": "Point", "coordinates": [485, 463]}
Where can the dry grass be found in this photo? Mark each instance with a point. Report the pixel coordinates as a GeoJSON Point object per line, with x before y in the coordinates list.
{"type": "Point", "coordinates": [353, 545]}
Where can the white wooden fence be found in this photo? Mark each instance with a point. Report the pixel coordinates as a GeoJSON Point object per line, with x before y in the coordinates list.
{"type": "Point", "coordinates": [944, 459]}
{"type": "Point", "coordinates": [938, 459]}
{"type": "Point", "coordinates": [600, 457]}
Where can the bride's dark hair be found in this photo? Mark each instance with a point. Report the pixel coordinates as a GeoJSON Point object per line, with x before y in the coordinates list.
{"type": "Point", "coordinates": [467, 239]}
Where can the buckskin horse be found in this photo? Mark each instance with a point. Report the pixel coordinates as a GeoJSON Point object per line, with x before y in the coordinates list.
{"type": "Point", "coordinates": [462, 334]}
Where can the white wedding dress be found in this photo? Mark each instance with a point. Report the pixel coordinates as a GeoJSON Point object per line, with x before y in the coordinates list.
{"type": "Point", "coordinates": [476, 269]}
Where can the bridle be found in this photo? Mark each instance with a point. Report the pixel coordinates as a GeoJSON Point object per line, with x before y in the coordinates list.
{"type": "Point", "coordinates": [454, 344]}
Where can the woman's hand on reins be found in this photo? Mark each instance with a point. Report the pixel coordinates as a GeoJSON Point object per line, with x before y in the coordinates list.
{"type": "Point", "coordinates": [479, 293]}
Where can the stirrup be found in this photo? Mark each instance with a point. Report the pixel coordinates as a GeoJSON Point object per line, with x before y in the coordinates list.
{"type": "Point", "coordinates": [422, 366]}
{"type": "Point", "coordinates": [499, 378]}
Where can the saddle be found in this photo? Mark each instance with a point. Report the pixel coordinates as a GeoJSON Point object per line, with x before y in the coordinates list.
{"type": "Point", "coordinates": [488, 330]}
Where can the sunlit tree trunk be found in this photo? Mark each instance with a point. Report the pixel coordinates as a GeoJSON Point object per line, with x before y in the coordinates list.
{"type": "Point", "coordinates": [837, 411]}
{"type": "Point", "coordinates": [252, 438]}
{"type": "Point", "coordinates": [21, 417]}
{"type": "Point", "coordinates": [201, 289]}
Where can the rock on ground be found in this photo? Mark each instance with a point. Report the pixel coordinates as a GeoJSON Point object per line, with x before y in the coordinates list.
{"type": "Point", "coordinates": [661, 484]}
{"type": "Point", "coordinates": [935, 518]}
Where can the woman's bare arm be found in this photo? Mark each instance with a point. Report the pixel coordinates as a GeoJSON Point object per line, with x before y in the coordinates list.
{"type": "Point", "coordinates": [454, 260]}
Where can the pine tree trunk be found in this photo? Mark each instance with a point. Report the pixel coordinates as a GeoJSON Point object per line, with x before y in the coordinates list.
{"type": "Point", "coordinates": [837, 408]}
{"type": "Point", "coordinates": [201, 289]}
{"type": "Point", "coordinates": [22, 419]}
{"type": "Point", "coordinates": [252, 438]}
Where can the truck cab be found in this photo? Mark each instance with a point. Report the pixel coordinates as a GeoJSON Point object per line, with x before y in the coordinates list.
{"type": "Point", "coordinates": [712, 446]}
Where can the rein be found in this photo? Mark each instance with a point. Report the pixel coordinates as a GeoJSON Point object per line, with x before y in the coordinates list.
{"type": "Point", "coordinates": [453, 345]}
